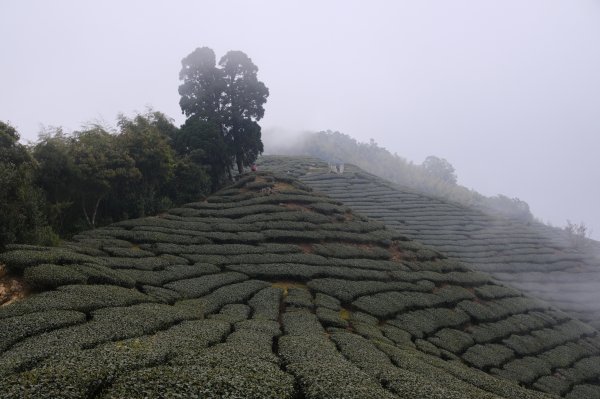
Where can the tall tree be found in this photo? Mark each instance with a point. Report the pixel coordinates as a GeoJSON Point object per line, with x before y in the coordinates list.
{"type": "Point", "coordinates": [231, 97]}
{"type": "Point", "coordinates": [242, 106]}
{"type": "Point", "coordinates": [56, 174]}
{"type": "Point", "coordinates": [150, 149]}
{"type": "Point", "coordinates": [440, 168]}
{"type": "Point", "coordinates": [22, 217]}
{"type": "Point", "coordinates": [102, 165]}
{"type": "Point", "coordinates": [202, 86]}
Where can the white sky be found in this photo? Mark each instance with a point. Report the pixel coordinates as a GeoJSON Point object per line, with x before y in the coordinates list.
{"type": "Point", "coordinates": [507, 90]}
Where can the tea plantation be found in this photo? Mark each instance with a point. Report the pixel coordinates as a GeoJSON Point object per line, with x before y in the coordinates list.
{"type": "Point", "coordinates": [531, 257]}
{"type": "Point", "coordinates": [269, 290]}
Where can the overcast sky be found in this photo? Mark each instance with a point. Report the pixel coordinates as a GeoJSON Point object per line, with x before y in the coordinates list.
{"type": "Point", "coordinates": [508, 90]}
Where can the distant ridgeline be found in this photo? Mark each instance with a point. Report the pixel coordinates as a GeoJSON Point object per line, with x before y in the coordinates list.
{"type": "Point", "coordinates": [438, 182]}
{"type": "Point", "coordinates": [270, 290]}
{"type": "Point", "coordinates": [532, 257]}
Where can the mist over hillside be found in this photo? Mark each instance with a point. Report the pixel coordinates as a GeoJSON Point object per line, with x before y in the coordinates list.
{"type": "Point", "coordinates": [336, 147]}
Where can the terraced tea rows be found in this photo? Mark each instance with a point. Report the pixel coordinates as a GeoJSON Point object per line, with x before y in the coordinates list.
{"type": "Point", "coordinates": [267, 290]}
{"type": "Point", "coordinates": [531, 257]}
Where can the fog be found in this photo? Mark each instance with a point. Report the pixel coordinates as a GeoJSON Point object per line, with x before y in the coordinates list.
{"type": "Point", "coordinates": [508, 91]}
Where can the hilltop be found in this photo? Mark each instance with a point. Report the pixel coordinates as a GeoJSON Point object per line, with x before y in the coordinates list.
{"type": "Point", "coordinates": [269, 289]}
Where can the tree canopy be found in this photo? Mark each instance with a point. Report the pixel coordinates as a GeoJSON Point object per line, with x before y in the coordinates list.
{"type": "Point", "coordinates": [230, 96]}
{"type": "Point", "coordinates": [440, 168]}
{"type": "Point", "coordinates": [22, 217]}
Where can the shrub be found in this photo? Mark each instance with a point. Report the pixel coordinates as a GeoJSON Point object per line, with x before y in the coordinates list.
{"type": "Point", "coordinates": [232, 293]}
{"type": "Point", "coordinates": [18, 260]}
{"type": "Point", "coordinates": [170, 273]}
{"type": "Point", "coordinates": [420, 323]}
{"type": "Point", "coordinates": [199, 286]}
{"type": "Point", "coordinates": [525, 370]}
{"type": "Point", "coordinates": [265, 303]}
{"type": "Point", "coordinates": [298, 297]}
{"type": "Point", "coordinates": [154, 263]}
{"type": "Point", "coordinates": [330, 318]}
{"type": "Point", "coordinates": [489, 355]}
{"type": "Point", "coordinates": [232, 313]}
{"type": "Point", "coordinates": [323, 372]}
{"type": "Point", "coordinates": [52, 276]}
{"type": "Point", "coordinates": [491, 291]}
{"type": "Point", "coordinates": [327, 301]}
{"type": "Point", "coordinates": [346, 291]}
{"type": "Point", "coordinates": [452, 340]}
{"type": "Point", "coordinates": [14, 329]}
{"type": "Point", "coordinates": [387, 304]}
{"type": "Point", "coordinates": [290, 271]}
{"type": "Point", "coordinates": [516, 324]}
{"type": "Point", "coordinates": [82, 298]}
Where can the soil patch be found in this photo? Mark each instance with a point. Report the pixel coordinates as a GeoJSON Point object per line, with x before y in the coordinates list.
{"type": "Point", "coordinates": [12, 288]}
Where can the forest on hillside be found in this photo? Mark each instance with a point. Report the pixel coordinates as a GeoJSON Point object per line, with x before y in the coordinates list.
{"type": "Point", "coordinates": [67, 182]}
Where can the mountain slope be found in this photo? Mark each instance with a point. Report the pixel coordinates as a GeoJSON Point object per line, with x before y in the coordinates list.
{"type": "Point", "coordinates": [532, 257]}
{"type": "Point", "coordinates": [270, 290]}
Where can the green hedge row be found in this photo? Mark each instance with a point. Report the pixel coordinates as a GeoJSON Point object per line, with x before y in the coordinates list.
{"type": "Point", "coordinates": [331, 318]}
{"type": "Point", "coordinates": [269, 327]}
{"type": "Point", "coordinates": [564, 356]}
{"type": "Point", "coordinates": [247, 378]}
{"type": "Point", "coordinates": [265, 303]}
{"type": "Point", "coordinates": [199, 286]}
{"type": "Point", "coordinates": [452, 340]}
{"type": "Point", "coordinates": [555, 385]}
{"type": "Point", "coordinates": [170, 273]}
{"type": "Point", "coordinates": [544, 339]}
{"type": "Point", "coordinates": [232, 213]}
{"type": "Point", "coordinates": [317, 260]}
{"type": "Point", "coordinates": [154, 263]}
{"type": "Point", "coordinates": [587, 369]}
{"type": "Point", "coordinates": [323, 372]}
{"type": "Point", "coordinates": [492, 291]}
{"type": "Point", "coordinates": [405, 383]}
{"type": "Point", "coordinates": [298, 297]}
{"type": "Point", "coordinates": [584, 391]}
{"type": "Point", "coordinates": [516, 324]}
{"type": "Point", "coordinates": [131, 252]}
{"type": "Point", "coordinates": [302, 272]}
{"type": "Point", "coordinates": [79, 374]}
{"type": "Point", "coordinates": [14, 329]}
{"type": "Point", "coordinates": [232, 293]}
{"type": "Point", "coordinates": [300, 322]}
{"type": "Point", "coordinates": [290, 215]}
{"type": "Point", "coordinates": [488, 355]}
{"type": "Point", "coordinates": [452, 374]}
{"type": "Point", "coordinates": [109, 324]}
{"type": "Point", "coordinates": [165, 223]}
{"type": "Point", "coordinates": [452, 294]}
{"type": "Point", "coordinates": [18, 260]}
{"type": "Point", "coordinates": [501, 308]}
{"type": "Point", "coordinates": [160, 294]}
{"type": "Point", "coordinates": [421, 323]}
{"type": "Point", "coordinates": [48, 276]}
{"type": "Point", "coordinates": [82, 298]}
{"type": "Point", "coordinates": [525, 370]}
{"type": "Point", "coordinates": [346, 291]}
{"type": "Point", "coordinates": [388, 304]}
{"type": "Point", "coordinates": [232, 313]}
{"type": "Point", "coordinates": [350, 251]}
{"type": "Point", "coordinates": [327, 301]}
